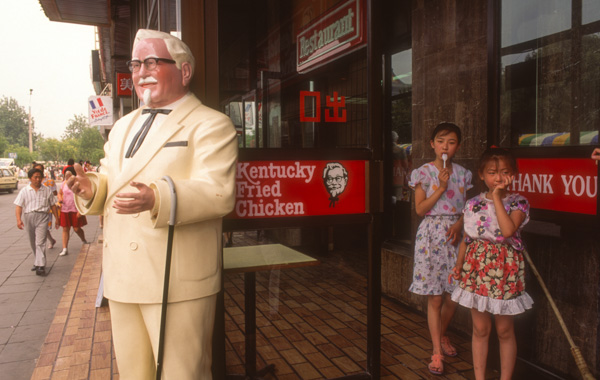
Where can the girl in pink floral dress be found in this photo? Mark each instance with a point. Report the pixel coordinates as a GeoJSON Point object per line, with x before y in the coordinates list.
{"type": "Point", "coordinates": [440, 194]}
{"type": "Point", "coordinates": [490, 265]}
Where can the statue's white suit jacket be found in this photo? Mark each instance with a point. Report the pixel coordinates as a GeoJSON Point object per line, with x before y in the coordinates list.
{"type": "Point", "coordinates": [197, 147]}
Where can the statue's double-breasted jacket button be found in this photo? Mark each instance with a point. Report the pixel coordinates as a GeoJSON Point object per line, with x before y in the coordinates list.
{"type": "Point", "coordinates": [133, 246]}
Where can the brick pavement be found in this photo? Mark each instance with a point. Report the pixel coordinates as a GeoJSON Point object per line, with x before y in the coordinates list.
{"type": "Point", "coordinates": [79, 342]}
{"type": "Point", "coordinates": [311, 324]}
{"type": "Point", "coordinates": [28, 303]}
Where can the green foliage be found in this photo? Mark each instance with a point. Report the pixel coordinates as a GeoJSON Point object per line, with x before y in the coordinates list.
{"type": "Point", "coordinates": [79, 141]}
{"type": "Point", "coordinates": [90, 142]}
{"type": "Point", "coordinates": [14, 122]}
{"type": "Point", "coordinates": [69, 150]}
{"type": "Point", "coordinates": [3, 145]}
{"type": "Point", "coordinates": [24, 157]}
{"type": "Point", "coordinates": [77, 125]}
{"type": "Point", "coordinates": [50, 149]}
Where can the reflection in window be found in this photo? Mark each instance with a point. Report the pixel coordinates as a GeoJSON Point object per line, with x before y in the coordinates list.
{"type": "Point", "coordinates": [401, 120]}
{"type": "Point", "coordinates": [234, 111]}
{"type": "Point", "coordinates": [590, 11]}
{"type": "Point", "coordinates": [550, 82]}
{"type": "Point", "coordinates": [524, 21]}
{"type": "Point", "coordinates": [402, 72]}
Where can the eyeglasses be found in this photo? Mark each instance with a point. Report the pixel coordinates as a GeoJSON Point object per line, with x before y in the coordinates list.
{"type": "Point", "coordinates": [150, 63]}
{"type": "Point", "coordinates": [337, 179]}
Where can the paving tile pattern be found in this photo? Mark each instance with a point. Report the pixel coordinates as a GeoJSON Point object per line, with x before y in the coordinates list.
{"type": "Point", "coordinates": [311, 323]}
{"type": "Point", "coordinates": [79, 342]}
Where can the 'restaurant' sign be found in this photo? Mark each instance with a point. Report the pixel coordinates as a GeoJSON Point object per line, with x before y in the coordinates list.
{"type": "Point", "coordinates": [271, 189]}
{"type": "Point", "coordinates": [558, 184]}
{"type": "Point", "coordinates": [338, 31]}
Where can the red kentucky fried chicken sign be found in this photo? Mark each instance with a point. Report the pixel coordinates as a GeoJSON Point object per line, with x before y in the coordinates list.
{"type": "Point", "coordinates": [271, 189]}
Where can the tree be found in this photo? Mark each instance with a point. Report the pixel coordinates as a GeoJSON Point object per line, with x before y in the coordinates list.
{"type": "Point", "coordinates": [76, 127]}
{"type": "Point", "coordinates": [50, 149]}
{"type": "Point", "coordinates": [90, 145]}
{"type": "Point", "coordinates": [24, 157]}
{"type": "Point", "coordinates": [69, 149]}
{"type": "Point", "coordinates": [14, 122]}
{"type": "Point", "coordinates": [3, 145]}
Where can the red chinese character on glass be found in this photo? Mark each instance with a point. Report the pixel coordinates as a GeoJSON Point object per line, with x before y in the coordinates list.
{"type": "Point", "coordinates": [317, 96]}
{"type": "Point", "coordinates": [126, 84]}
{"type": "Point", "coordinates": [335, 104]}
{"type": "Point", "coordinates": [336, 112]}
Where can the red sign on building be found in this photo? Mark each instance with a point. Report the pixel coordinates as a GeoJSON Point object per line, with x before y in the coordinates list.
{"type": "Point", "coordinates": [339, 31]}
{"type": "Point", "coordinates": [271, 189]}
{"type": "Point", "coordinates": [558, 184]}
{"type": "Point", "coordinates": [124, 84]}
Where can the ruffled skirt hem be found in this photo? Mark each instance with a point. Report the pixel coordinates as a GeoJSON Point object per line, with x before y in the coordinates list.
{"type": "Point", "coordinates": [512, 306]}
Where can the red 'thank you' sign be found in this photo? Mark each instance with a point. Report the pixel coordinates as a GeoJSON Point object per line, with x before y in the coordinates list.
{"type": "Point", "coordinates": [558, 184]}
{"type": "Point", "coordinates": [272, 189]}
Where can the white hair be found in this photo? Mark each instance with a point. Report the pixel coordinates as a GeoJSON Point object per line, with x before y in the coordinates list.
{"type": "Point", "coordinates": [334, 165]}
{"type": "Point", "coordinates": [179, 51]}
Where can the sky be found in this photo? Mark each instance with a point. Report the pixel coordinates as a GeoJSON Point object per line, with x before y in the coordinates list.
{"type": "Point", "coordinates": [52, 58]}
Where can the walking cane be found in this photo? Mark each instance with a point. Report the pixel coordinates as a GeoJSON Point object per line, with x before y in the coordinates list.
{"type": "Point", "coordinates": [163, 314]}
{"type": "Point", "coordinates": [585, 372]}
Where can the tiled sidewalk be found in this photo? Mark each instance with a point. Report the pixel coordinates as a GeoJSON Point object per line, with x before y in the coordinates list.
{"type": "Point", "coordinates": [79, 343]}
{"type": "Point", "coordinates": [311, 324]}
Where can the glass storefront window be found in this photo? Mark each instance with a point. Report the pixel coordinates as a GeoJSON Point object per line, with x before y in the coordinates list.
{"type": "Point", "coordinates": [401, 125]}
{"type": "Point", "coordinates": [302, 99]}
{"type": "Point", "coordinates": [299, 115]}
{"type": "Point", "coordinates": [590, 11]}
{"type": "Point", "coordinates": [550, 82]}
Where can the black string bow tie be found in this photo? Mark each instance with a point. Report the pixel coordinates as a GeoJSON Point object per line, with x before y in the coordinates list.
{"type": "Point", "coordinates": [139, 137]}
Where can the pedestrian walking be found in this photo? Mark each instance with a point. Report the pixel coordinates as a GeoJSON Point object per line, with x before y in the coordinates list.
{"type": "Point", "coordinates": [32, 205]}
{"type": "Point", "coordinates": [69, 216]}
{"type": "Point", "coordinates": [48, 182]}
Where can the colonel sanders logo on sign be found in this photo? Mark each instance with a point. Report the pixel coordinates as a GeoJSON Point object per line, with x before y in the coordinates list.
{"type": "Point", "coordinates": [335, 178]}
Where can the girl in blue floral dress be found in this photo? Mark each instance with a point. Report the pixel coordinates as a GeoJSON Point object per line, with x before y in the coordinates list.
{"type": "Point", "coordinates": [440, 194]}
{"type": "Point", "coordinates": [490, 265]}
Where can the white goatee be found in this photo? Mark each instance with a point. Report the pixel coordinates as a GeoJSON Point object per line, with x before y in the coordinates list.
{"type": "Point", "coordinates": [147, 97]}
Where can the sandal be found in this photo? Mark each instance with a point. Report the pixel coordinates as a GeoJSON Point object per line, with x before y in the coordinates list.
{"type": "Point", "coordinates": [447, 348]}
{"type": "Point", "coordinates": [436, 366]}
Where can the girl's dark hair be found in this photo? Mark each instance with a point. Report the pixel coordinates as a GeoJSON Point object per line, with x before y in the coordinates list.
{"type": "Point", "coordinates": [447, 128]}
{"type": "Point", "coordinates": [71, 170]}
{"type": "Point", "coordinates": [495, 154]}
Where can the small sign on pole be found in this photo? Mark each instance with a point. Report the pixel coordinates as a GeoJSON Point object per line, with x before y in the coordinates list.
{"type": "Point", "coordinates": [100, 110]}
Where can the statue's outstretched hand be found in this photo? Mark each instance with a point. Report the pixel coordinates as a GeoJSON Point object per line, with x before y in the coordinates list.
{"type": "Point", "coordinates": [79, 184]}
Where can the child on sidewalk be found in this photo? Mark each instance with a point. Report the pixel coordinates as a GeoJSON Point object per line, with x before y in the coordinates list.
{"type": "Point", "coordinates": [490, 265]}
{"type": "Point", "coordinates": [440, 193]}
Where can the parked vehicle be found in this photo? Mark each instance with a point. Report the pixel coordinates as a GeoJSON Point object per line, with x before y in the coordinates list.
{"type": "Point", "coordinates": [8, 181]}
{"type": "Point", "coordinates": [9, 163]}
